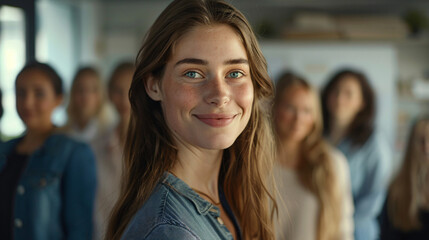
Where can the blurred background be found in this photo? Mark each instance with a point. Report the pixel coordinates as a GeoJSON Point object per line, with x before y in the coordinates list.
{"type": "Point", "coordinates": [388, 40]}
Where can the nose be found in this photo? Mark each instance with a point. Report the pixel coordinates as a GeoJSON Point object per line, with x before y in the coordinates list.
{"type": "Point", "coordinates": [217, 92]}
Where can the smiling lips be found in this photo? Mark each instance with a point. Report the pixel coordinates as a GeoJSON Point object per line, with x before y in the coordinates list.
{"type": "Point", "coordinates": [216, 120]}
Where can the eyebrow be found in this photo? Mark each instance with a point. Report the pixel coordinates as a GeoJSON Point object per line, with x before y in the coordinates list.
{"type": "Point", "coordinates": [204, 62]}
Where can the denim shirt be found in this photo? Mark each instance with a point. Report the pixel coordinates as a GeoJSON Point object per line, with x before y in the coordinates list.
{"type": "Point", "coordinates": [55, 194]}
{"type": "Point", "coordinates": [370, 169]}
{"type": "Point", "coordinates": [175, 211]}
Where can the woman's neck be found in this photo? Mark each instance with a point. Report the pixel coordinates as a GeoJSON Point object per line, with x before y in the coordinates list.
{"type": "Point", "coordinates": [34, 139]}
{"type": "Point", "coordinates": [338, 129]}
{"type": "Point", "coordinates": [288, 153]}
{"type": "Point", "coordinates": [199, 169]}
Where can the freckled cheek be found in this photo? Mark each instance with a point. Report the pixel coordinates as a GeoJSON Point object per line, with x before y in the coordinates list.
{"type": "Point", "coordinates": [181, 97]}
{"type": "Point", "coordinates": [177, 103]}
{"type": "Point", "coordinates": [244, 97]}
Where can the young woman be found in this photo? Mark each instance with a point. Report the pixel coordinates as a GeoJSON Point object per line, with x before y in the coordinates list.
{"type": "Point", "coordinates": [87, 116]}
{"type": "Point", "coordinates": [109, 146]}
{"type": "Point", "coordinates": [348, 103]}
{"type": "Point", "coordinates": [406, 211]}
{"type": "Point", "coordinates": [313, 178]}
{"type": "Point", "coordinates": [47, 180]}
{"type": "Point", "coordinates": [198, 151]}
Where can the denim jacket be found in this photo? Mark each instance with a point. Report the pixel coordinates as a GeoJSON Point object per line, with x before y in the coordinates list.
{"type": "Point", "coordinates": [175, 211]}
{"type": "Point", "coordinates": [55, 194]}
{"type": "Point", "coordinates": [370, 171]}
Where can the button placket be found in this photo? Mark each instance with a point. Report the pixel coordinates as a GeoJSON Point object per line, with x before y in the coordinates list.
{"type": "Point", "coordinates": [216, 214]}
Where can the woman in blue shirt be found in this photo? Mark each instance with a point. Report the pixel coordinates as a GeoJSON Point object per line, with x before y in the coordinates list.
{"type": "Point", "coordinates": [47, 181]}
{"type": "Point", "coordinates": [348, 103]}
{"type": "Point", "coordinates": [198, 151]}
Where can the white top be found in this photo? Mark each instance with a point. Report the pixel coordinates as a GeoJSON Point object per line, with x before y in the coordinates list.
{"type": "Point", "coordinates": [299, 208]}
{"type": "Point", "coordinates": [87, 134]}
{"type": "Point", "coordinates": [108, 153]}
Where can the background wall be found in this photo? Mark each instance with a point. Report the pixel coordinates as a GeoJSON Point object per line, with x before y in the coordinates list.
{"type": "Point", "coordinates": [71, 33]}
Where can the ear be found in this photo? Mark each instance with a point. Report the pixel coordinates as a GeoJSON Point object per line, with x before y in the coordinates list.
{"type": "Point", "coordinates": [153, 89]}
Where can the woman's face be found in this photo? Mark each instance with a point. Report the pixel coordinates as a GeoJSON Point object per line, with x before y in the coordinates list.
{"type": "Point", "coordinates": [295, 114]}
{"type": "Point", "coordinates": [35, 99]}
{"type": "Point", "coordinates": [86, 97]}
{"type": "Point", "coordinates": [345, 100]}
{"type": "Point", "coordinates": [206, 91]}
{"type": "Point", "coordinates": [119, 93]}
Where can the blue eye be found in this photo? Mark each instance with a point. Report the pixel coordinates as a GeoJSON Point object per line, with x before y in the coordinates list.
{"type": "Point", "coordinates": [235, 74]}
{"type": "Point", "coordinates": [193, 74]}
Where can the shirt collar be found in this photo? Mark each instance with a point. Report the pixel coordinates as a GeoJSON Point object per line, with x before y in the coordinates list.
{"type": "Point", "coordinates": [202, 206]}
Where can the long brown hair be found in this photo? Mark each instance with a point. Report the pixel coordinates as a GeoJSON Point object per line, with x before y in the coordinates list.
{"type": "Point", "coordinates": [408, 191]}
{"type": "Point", "coordinates": [362, 125]}
{"type": "Point", "coordinates": [316, 169]}
{"type": "Point", "coordinates": [150, 149]}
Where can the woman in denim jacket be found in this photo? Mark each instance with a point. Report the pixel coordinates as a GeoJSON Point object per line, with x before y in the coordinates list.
{"type": "Point", "coordinates": [198, 151]}
{"type": "Point", "coordinates": [47, 180]}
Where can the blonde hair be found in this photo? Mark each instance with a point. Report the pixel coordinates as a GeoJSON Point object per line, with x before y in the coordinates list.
{"type": "Point", "coordinates": [407, 191]}
{"type": "Point", "coordinates": [101, 115]}
{"type": "Point", "coordinates": [150, 149]}
{"type": "Point", "coordinates": [316, 171]}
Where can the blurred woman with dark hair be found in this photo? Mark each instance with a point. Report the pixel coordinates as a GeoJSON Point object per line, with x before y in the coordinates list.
{"type": "Point", "coordinates": [313, 177]}
{"type": "Point", "coordinates": [47, 180]}
{"type": "Point", "coordinates": [348, 103]}
{"type": "Point", "coordinates": [406, 211]}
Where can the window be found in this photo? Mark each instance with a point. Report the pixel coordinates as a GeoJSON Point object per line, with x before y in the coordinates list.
{"type": "Point", "coordinates": [12, 59]}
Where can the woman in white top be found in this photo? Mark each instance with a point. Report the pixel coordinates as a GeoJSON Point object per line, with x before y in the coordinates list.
{"type": "Point", "coordinates": [312, 177]}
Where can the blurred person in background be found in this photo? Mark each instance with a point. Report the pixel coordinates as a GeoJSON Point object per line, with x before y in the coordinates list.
{"type": "Point", "coordinates": [86, 112]}
{"type": "Point", "coordinates": [313, 178]}
{"type": "Point", "coordinates": [348, 103]}
{"type": "Point", "coordinates": [109, 146]}
{"type": "Point", "coordinates": [405, 214]}
{"type": "Point", "coordinates": [47, 180]}
{"type": "Point", "coordinates": [199, 148]}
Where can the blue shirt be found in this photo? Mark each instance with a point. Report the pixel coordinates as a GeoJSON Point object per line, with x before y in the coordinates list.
{"type": "Point", "coordinates": [55, 194]}
{"type": "Point", "coordinates": [175, 211]}
{"type": "Point", "coordinates": [370, 169]}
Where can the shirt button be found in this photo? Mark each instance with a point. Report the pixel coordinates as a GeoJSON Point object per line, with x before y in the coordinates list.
{"type": "Point", "coordinates": [18, 223]}
{"type": "Point", "coordinates": [20, 190]}
{"type": "Point", "coordinates": [213, 210]}
{"type": "Point", "coordinates": [220, 220]}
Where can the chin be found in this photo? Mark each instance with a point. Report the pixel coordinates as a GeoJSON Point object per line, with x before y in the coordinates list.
{"type": "Point", "coordinates": [216, 143]}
